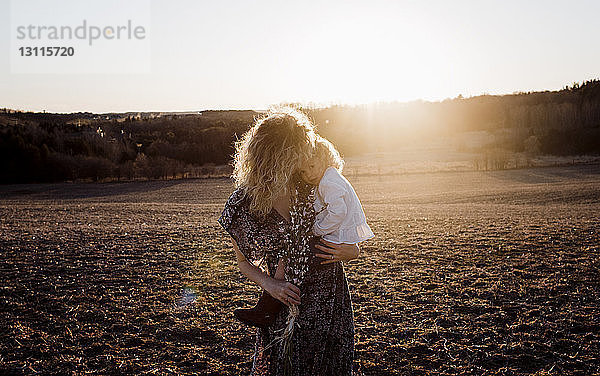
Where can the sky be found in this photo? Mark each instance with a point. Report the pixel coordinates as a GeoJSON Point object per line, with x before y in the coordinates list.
{"type": "Point", "coordinates": [237, 54]}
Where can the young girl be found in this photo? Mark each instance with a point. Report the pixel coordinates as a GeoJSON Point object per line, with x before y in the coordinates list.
{"type": "Point", "coordinates": [340, 219]}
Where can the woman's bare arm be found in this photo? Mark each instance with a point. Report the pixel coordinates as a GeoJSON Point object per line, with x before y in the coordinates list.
{"type": "Point", "coordinates": [282, 290]}
{"type": "Point", "coordinates": [342, 252]}
{"type": "Point", "coordinates": [251, 271]}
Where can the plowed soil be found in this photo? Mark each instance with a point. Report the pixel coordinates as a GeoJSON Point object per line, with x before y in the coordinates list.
{"type": "Point", "coordinates": [470, 273]}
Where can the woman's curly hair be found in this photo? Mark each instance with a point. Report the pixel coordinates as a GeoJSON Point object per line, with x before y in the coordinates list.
{"type": "Point", "coordinates": [270, 153]}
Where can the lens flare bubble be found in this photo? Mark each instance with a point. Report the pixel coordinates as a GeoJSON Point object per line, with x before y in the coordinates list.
{"type": "Point", "coordinates": [188, 297]}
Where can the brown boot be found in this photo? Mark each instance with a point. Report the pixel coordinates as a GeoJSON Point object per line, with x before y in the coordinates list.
{"type": "Point", "coordinates": [263, 314]}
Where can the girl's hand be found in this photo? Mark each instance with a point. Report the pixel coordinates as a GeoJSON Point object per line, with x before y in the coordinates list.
{"type": "Point", "coordinates": [283, 291]}
{"type": "Point", "coordinates": [340, 252]}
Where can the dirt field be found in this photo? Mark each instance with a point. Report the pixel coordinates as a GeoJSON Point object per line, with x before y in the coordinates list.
{"type": "Point", "coordinates": [470, 273]}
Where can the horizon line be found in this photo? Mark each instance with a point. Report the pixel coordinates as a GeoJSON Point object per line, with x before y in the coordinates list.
{"type": "Point", "coordinates": [311, 104]}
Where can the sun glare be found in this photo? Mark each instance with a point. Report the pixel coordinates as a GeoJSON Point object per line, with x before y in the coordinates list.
{"type": "Point", "coordinates": [368, 58]}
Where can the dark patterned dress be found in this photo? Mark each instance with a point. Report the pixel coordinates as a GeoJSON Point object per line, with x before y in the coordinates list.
{"type": "Point", "coordinates": [323, 344]}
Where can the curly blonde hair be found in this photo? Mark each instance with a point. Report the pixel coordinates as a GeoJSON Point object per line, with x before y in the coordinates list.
{"type": "Point", "coordinates": [327, 154]}
{"type": "Point", "coordinates": [270, 153]}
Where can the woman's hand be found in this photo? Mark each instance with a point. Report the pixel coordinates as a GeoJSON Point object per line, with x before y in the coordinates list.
{"type": "Point", "coordinates": [340, 252]}
{"type": "Point", "coordinates": [283, 291]}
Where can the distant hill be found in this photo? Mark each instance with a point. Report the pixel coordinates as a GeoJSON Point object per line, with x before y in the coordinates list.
{"type": "Point", "coordinates": [42, 147]}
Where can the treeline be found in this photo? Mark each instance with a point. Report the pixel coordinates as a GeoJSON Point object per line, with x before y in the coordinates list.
{"type": "Point", "coordinates": [40, 147]}
{"type": "Point", "coordinates": [54, 147]}
{"type": "Point", "coordinates": [564, 122]}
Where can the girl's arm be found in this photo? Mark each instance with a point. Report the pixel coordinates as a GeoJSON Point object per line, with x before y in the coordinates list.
{"type": "Point", "coordinates": [332, 195]}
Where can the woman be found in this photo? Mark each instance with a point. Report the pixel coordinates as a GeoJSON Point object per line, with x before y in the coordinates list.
{"type": "Point", "coordinates": [257, 216]}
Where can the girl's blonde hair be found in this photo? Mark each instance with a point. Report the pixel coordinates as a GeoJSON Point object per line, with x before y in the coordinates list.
{"type": "Point", "coordinates": [327, 154]}
{"type": "Point", "coordinates": [270, 153]}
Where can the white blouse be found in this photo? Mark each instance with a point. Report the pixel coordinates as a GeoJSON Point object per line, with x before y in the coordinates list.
{"type": "Point", "coordinates": [343, 220]}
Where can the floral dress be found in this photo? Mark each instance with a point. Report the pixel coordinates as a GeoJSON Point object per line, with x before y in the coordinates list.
{"type": "Point", "coordinates": [323, 343]}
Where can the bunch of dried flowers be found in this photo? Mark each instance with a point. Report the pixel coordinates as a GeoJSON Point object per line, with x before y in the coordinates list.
{"type": "Point", "coordinates": [297, 256]}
